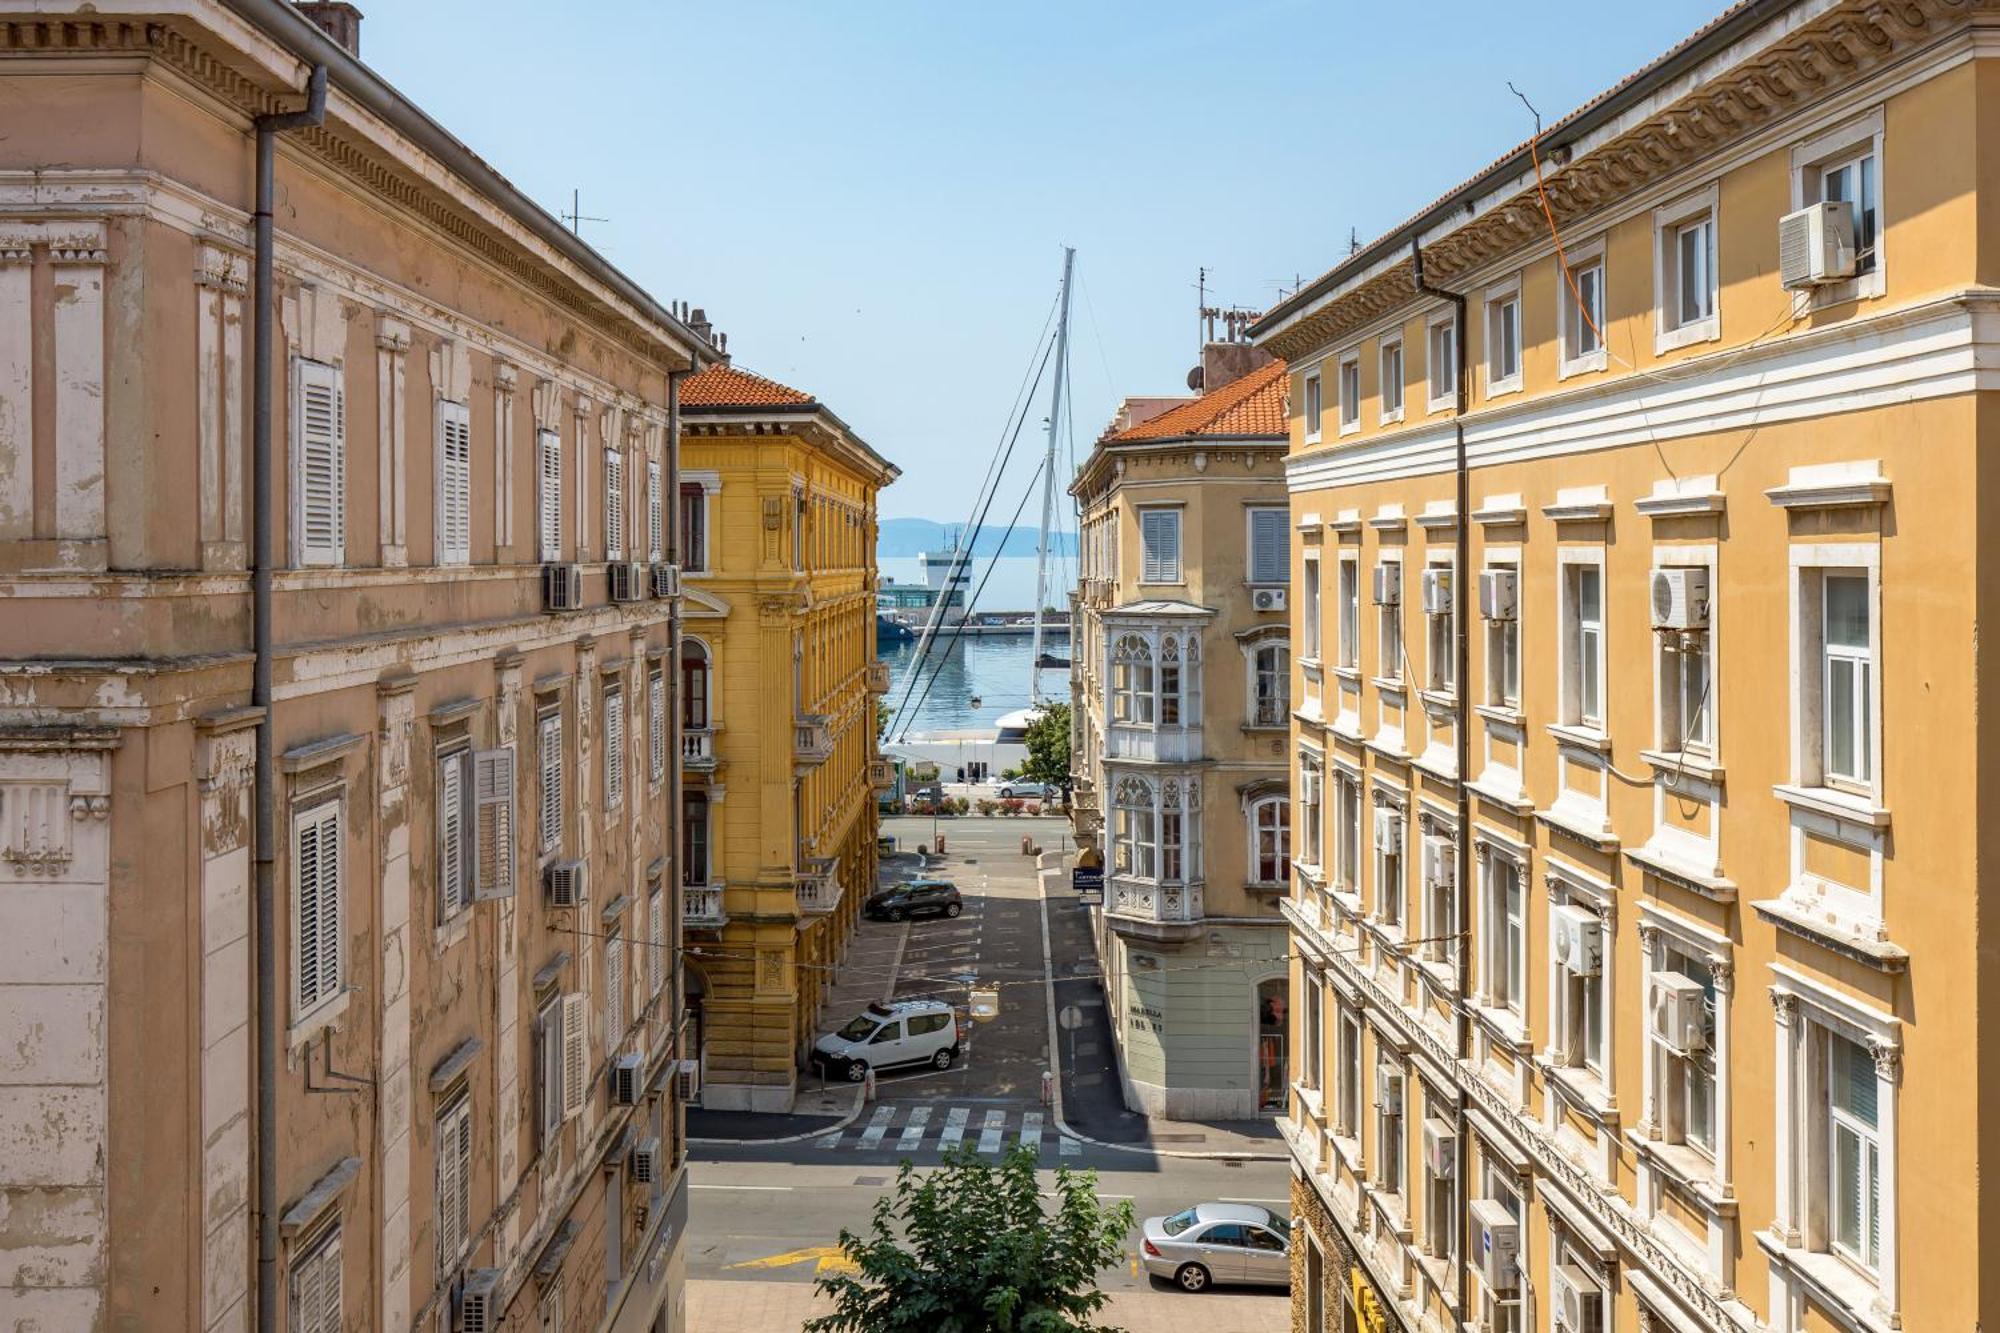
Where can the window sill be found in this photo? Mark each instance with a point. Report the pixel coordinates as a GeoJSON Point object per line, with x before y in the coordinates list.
{"type": "Point", "coordinates": [1834, 803]}
{"type": "Point", "coordinates": [1503, 388]}
{"type": "Point", "coordinates": [1348, 428]}
{"type": "Point", "coordinates": [1690, 1170]}
{"type": "Point", "coordinates": [1700, 331]}
{"type": "Point", "coordinates": [1348, 675]}
{"type": "Point", "coordinates": [1601, 838]}
{"type": "Point", "coordinates": [1587, 364]}
{"type": "Point", "coordinates": [1389, 684]}
{"type": "Point", "coordinates": [1505, 1028]}
{"type": "Point", "coordinates": [1500, 715]}
{"type": "Point", "coordinates": [1439, 698]}
{"type": "Point", "coordinates": [1664, 866]}
{"type": "Point", "coordinates": [1519, 805]}
{"type": "Point", "coordinates": [1848, 938]}
{"type": "Point", "coordinates": [310, 1025]}
{"type": "Point", "coordinates": [1583, 738]}
{"type": "Point", "coordinates": [1584, 1089]}
{"type": "Point", "coordinates": [1259, 727]}
{"type": "Point", "coordinates": [1852, 1299]}
{"type": "Point", "coordinates": [447, 936]}
{"type": "Point", "coordinates": [1668, 762]}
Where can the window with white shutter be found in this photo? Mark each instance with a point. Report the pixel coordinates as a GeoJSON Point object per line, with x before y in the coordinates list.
{"type": "Point", "coordinates": [1270, 546]}
{"type": "Point", "coordinates": [575, 1053]}
{"type": "Point", "coordinates": [548, 492]}
{"type": "Point", "coordinates": [614, 748]}
{"type": "Point", "coordinates": [319, 464]}
{"type": "Point", "coordinates": [493, 823]}
{"type": "Point", "coordinates": [316, 869]}
{"type": "Point", "coordinates": [656, 939]}
{"type": "Point", "coordinates": [656, 515]}
{"type": "Point", "coordinates": [550, 759]}
{"type": "Point", "coordinates": [315, 1286]}
{"type": "Point", "coordinates": [656, 720]}
{"type": "Point", "coordinates": [1160, 538]}
{"type": "Point", "coordinates": [614, 991]}
{"type": "Point", "coordinates": [454, 871]}
{"type": "Point", "coordinates": [549, 1063]}
{"type": "Point", "coordinates": [614, 505]}
{"type": "Point", "coordinates": [451, 1151]}
{"type": "Point", "coordinates": [454, 483]}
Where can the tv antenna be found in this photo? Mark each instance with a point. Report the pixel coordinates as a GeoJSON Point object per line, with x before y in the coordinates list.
{"type": "Point", "coordinates": [576, 216]}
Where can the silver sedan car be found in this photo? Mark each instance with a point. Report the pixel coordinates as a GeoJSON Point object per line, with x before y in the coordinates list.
{"type": "Point", "coordinates": [1218, 1242]}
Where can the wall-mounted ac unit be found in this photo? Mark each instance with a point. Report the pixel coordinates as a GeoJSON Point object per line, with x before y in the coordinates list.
{"type": "Point", "coordinates": [479, 1305]}
{"type": "Point", "coordinates": [562, 587]}
{"type": "Point", "coordinates": [1389, 1089]}
{"type": "Point", "coordinates": [1578, 939]}
{"type": "Point", "coordinates": [1437, 590]}
{"type": "Point", "coordinates": [1389, 583]}
{"type": "Point", "coordinates": [1496, 1245]}
{"type": "Point", "coordinates": [1388, 832]}
{"type": "Point", "coordinates": [628, 581]}
{"type": "Point", "coordinates": [1680, 598]}
{"type": "Point", "coordinates": [666, 581]}
{"type": "Point", "coordinates": [1440, 1147]}
{"type": "Point", "coordinates": [1678, 1013]}
{"type": "Point", "coordinates": [1267, 599]}
{"type": "Point", "coordinates": [1440, 861]}
{"type": "Point", "coordinates": [687, 1081]}
{"type": "Point", "coordinates": [627, 1073]}
{"type": "Point", "coordinates": [1499, 594]}
{"type": "Point", "coordinates": [645, 1163]}
{"type": "Point", "coordinates": [1577, 1301]}
{"type": "Point", "coordinates": [565, 883]}
{"type": "Point", "coordinates": [1816, 245]}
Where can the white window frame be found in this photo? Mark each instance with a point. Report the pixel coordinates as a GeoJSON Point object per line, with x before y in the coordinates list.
{"type": "Point", "coordinates": [1389, 650]}
{"type": "Point", "coordinates": [1440, 641]}
{"type": "Point", "coordinates": [697, 541]}
{"type": "Point", "coordinates": [1579, 1006]}
{"type": "Point", "coordinates": [1811, 160]}
{"type": "Point", "coordinates": [614, 504]}
{"type": "Point", "coordinates": [1346, 805]}
{"type": "Point", "coordinates": [548, 494]}
{"type": "Point", "coordinates": [1391, 868]}
{"type": "Point", "coordinates": [656, 719]}
{"type": "Point", "coordinates": [451, 447]}
{"type": "Point", "coordinates": [614, 990]}
{"type": "Point", "coordinates": [1348, 379]}
{"type": "Point", "coordinates": [1670, 330]}
{"type": "Point", "coordinates": [551, 791]}
{"type": "Point", "coordinates": [1254, 816]}
{"type": "Point", "coordinates": [324, 813]}
{"type": "Point", "coordinates": [1153, 567]}
{"type": "Point", "coordinates": [1162, 833]}
{"type": "Point", "coordinates": [656, 513]}
{"type": "Point", "coordinates": [1347, 1054]}
{"type": "Point", "coordinates": [1503, 644]}
{"type": "Point", "coordinates": [1439, 903]}
{"type": "Point", "coordinates": [1311, 811]}
{"type": "Point", "coordinates": [1347, 656]}
{"type": "Point", "coordinates": [549, 1068]}
{"type": "Point", "coordinates": [451, 1158]}
{"type": "Point", "coordinates": [1495, 305]}
{"type": "Point", "coordinates": [1573, 631]}
{"type": "Point", "coordinates": [1312, 404]}
{"type": "Point", "coordinates": [306, 551]}
{"type": "Point", "coordinates": [1671, 649]}
{"type": "Point", "coordinates": [1392, 1136]}
{"type": "Point", "coordinates": [1267, 577]}
{"type": "Point", "coordinates": [656, 938]}
{"type": "Point", "coordinates": [1811, 565]}
{"type": "Point", "coordinates": [1571, 330]}
{"type": "Point", "coordinates": [314, 1284]}
{"type": "Point", "coordinates": [1312, 623]}
{"type": "Point", "coordinates": [1445, 323]}
{"type": "Point", "coordinates": [1392, 393]}
{"type": "Point", "coordinates": [1503, 962]}
{"type": "Point", "coordinates": [455, 840]}
{"type": "Point", "coordinates": [1255, 675]}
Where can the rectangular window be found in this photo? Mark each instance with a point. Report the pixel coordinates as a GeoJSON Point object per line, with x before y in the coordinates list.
{"type": "Point", "coordinates": [1271, 686]}
{"type": "Point", "coordinates": [656, 939]}
{"type": "Point", "coordinates": [1687, 1078]}
{"type": "Point", "coordinates": [551, 760]}
{"type": "Point", "coordinates": [1315, 1288]}
{"type": "Point", "coordinates": [451, 1153]}
{"type": "Point", "coordinates": [1685, 262]}
{"type": "Point", "coordinates": [548, 493]}
{"type": "Point", "coordinates": [1503, 651]}
{"type": "Point", "coordinates": [1392, 381]}
{"type": "Point", "coordinates": [1389, 865]}
{"type": "Point", "coordinates": [1583, 645]}
{"type": "Point", "coordinates": [1685, 684]}
{"type": "Point", "coordinates": [1312, 813]}
{"type": "Point", "coordinates": [1350, 394]}
{"type": "Point", "coordinates": [1311, 394]}
{"type": "Point", "coordinates": [1160, 536]}
{"type": "Point", "coordinates": [1309, 608]}
{"type": "Point", "coordinates": [454, 813]}
{"type": "Point", "coordinates": [1170, 843]}
{"type": "Point", "coordinates": [614, 748]}
{"type": "Point", "coordinates": [1390, 661]}
{"type": "Point", "coordinates": [1443, 364]}
{"type": "Point", "coordinates": [1389, 1145]}
{"type": "Point", "coordinates": [1694, 291]}
{"type": "Point", "coordinates": [1348, 1103]}
{"type": "Point", "coordinates": [319, 464]}
{"type": "Point", "coordinates": [1580, 299]}
{"type": "Point", "coordinates": [1310, 1034]}
{"type": "Point", "coordinates": [694, 527]}
{"type": "Point", "coordinates": [1852, 181]}
{"type": "Point", "coordinates": [1506, 934]}
{"type": "Point", "coordinates": [1350, 614]}
{"type": "Point", "coordinates": [1503, 341]}
{"type": "Point", "coordinates": [656, 720]}
{"type": "Point", "coordinates": [1854, 1153]}
{"type": "Point", "coordinates": [1847, 686]}
{"type": "Point", "coordinates": [614, 990]}
{"type": "Point", "coordinates": [614, 504]}
{"type": "Point", "coordinates": [656, 515]}
{"type": "Point", "coordinates": [1270, 555]}
{"type": "Point", "coordinates": [1347, 830]}
{"type": "Point", "coordinates": [320, 958]}
{"type": "Point", "coordinates": [316, 1286]}
{"type": "Point", "coordinates": [549, 1065]}
{"type": "Point", "coordinates": [454, 483]}
{"type": "Point", "coordinates": [1441, 626]}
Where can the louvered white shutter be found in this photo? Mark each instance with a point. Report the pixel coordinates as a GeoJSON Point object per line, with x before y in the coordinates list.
{"type": "Point", "coordinates": [493, 805]}
{"type": "Point", "coordinates": [315, 1286]}
{"type": "Point", "coordinates": [453, 1151]}
{"type": "Point", "coordinates": [656, 722]}
{"type": "Point", "coordinates": [452, 894]}
{"type": "Point", "coordinates": [319, 465]}
{"type": "Point", "coordinates": [454, 484]}
{"type": "Point", "coordinates": [575, 1053]}
{"type": "Point", "coordinates": [1270, 549]}
{"type": "Point", "coordinates": [614, 991]}
{"type": "Point", "coordinates": [1160, 535]}
{"type": "Point", "coordinates": [656, 941]}
{"type": "Point", "coordinates": [614, 748]}
{"type": "Point", "coordinates": [316, 871]}
{"type": "Point", "coordinates": [614, 505]}
{"type": "Point", "coordinates": [329, 1286]}
{"type": "Point", "coordinates": [548, 492]}
{"type": "Point", "coordinates": [550, 759]}
{"type": "Point", "coordinates": [656, 513]}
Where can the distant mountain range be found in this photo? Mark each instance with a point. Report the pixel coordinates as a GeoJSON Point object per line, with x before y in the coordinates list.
{"type": "Point", "coordinates": [902, 538]}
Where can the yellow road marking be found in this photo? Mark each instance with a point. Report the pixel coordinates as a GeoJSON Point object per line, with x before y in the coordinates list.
{"type": "Point", "coordinates": [824, 1258]}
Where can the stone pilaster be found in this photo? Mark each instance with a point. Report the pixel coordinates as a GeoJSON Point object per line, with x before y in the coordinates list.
{"type": "Point", "coordinates": [392, 352]}
{"type": "Point", "coordinates": [507, 979]}
{"type": "Point", "coordinates": [220, 276]}
{"type": "Point", "coordinates": [396, 704]}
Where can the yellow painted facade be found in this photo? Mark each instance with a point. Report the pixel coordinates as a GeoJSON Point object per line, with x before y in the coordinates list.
{"type": "Point", "coordinates": [779, 682]}
{"type": "Point", "coordinates": [1686, 994]}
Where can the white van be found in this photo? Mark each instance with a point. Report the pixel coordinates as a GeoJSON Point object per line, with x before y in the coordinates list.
{"type": "Point", "coordinates": [890, 1036]}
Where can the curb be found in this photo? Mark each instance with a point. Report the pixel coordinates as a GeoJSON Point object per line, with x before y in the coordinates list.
{"type": "Point", "coordinates": [835, 1128]}
{"type": "Point", "coordinates": [1056, 1094]}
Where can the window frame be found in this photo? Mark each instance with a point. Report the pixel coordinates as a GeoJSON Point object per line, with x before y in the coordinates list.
{"type": "Point", "coordinates": [1571, 330]}
{"type": "Point", "coordinates": [1312, 403]}
{"type": "Point", "coordinates": [548, 494]}
{"type": "Point", "coordinates": [1389, 649]}
{"type": "Point", "coordinates": [1831, 149]}
{"type": "Point", "coordinates": [613, 705]}
{"type": "Point", "coordinates": [1812, 566]}
{"type": "Point", "coordinates": [315, 1261]}
{"type": "Point", "coordinates": [453, 901]}
{"type": "Point", "coordinates": [1349, 395]}
{"type": "Point", "coordinates": [1392, 405]}
{"type": "Point", "coordinates": [307, 553]}
{"type": "Point", "coordinates": [1346, 804]}
{"type": "Point", "coordinates": [1149, 563]}
{"type": "Point", "coordinates": [1495, 302]}
{"type": "Point", "coordinates": [1312, 607]}
{"type": "Point", "coordinates": [1283, 516]}
{"type": "Point", "coordinates": [324, 808]}
{"type": "Point", "coordinates": [1348, 585]}
{"type": "Point", "coordinates": [1440, 635]}
{"type": "Point", "coordinates": [1255, 821]}
{"type": "Point", "coordinates": [1310, 849]}
{"type": "Point", "coordinates": [453, 1118]}
{"type": "Point", "coordinates": [1391, 881]}
{"type": "Point", "coordinates": [551, 780]}
{"type": "Point", "coordinates": [1671, 329]}
{"type": "Point", "coordinates": [1671, 705]}
{"type": "Point", "coordinates": [1503, 642]}
{"type": "Point", "coordinates": [1504, 957]}
{"type": "Point", "coordinates": [1279, 673]}
{"type": "Point", "coordinates": [1445, 322]}
{"type": "Point", "coordinates": [451, 483]}
{"type": "Point", "coordinates": [1575, 633]}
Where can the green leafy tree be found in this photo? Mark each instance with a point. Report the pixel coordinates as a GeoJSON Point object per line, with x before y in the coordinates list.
{"type": "Point", "coordinates": [971, 1248]}
{"type": "Point", "coordinates": [1048, 746]}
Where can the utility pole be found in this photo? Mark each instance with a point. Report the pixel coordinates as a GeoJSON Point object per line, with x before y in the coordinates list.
{"type": "Point", "coordinates": [575, 216]}
{"type": "Point", "coordinates": [1049, 478]}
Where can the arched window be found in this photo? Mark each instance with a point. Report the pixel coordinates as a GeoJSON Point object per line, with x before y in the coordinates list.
{"type": "Point", "coordinates": [1135, 833]}
{"type": "Point", "coordinates": [1271, 685]}
{"type": "Point", "coordinates": [1132, 681]}
{"type": "Point", "coordinates": [694, 685]}
{"type": "Point", "coordinates": [1271, 840]}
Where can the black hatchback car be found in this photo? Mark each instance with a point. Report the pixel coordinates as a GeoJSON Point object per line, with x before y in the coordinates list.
{"type": "Point", "coordinates": [920, 897]}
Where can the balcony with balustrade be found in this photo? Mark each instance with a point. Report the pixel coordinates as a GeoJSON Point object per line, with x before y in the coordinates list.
{"type": "Point", "coordinates": [702, 907]}
{"type": "Point", "coordinates": [881, 773]}
{"type": "Point", "coordinates": [1147, 743]}
{"type": "Point", "coordinates": [878, 676]}
{"type": "Point", "coordinates": [818, 888]}
{"type": "Point", "coordinates": [698, 749]}
{"type": "Point", "coordinates": [1159, 911]}
{"type": "Point", "coordinates": [812, 740]}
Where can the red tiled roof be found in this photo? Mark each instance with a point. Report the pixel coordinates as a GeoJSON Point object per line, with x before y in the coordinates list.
{"type": "Point", "coordinates": [726, 386]}
{"type": "Point", "coordinates": [1253, 405]}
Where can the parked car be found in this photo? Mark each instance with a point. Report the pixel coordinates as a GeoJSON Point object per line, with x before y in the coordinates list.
{"type": "Point", "coordinates": [1218, 1242]}
{"type": "Point", "coordinates": [919, 897]}
{"type": "Point", "coordinates": [890, 1036]}
{"type": "Point", "coordinates": [1028, 791]}
{"type": "Point", "coordinates": [930, 795]}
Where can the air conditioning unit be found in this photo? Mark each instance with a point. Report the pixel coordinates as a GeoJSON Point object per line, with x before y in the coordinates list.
{"type": "Point", "coordinates": [1678, 1012]}
{"type": "Point", "coordinates": [687, 1081]}
{"type": "Point", "coordinates": [645, 1163]}
{"type": "Point", "coordinates": [1440, 1147]}
{"type": "Point", "coordinates": [562, 587]}
{"type": "Point", "coordinates": [565, 883]}
{"type": "Point", "coordinates": [627, 1073]}
{"type": "Point", "coordinates": [479, 1304]}
{"type": "Point", "coordinates": [1388, 832]}
{"type": "Point", "coordinates": [1268, 599]}
{"type": "Point", "coordinates": [628, 582]}
{"type": "Point", "coordinates": [1437, 590]}
{"type": "Point", "coordinates": [1578, 939]}
{"type": "Point", "coordinates": [666, 581]}
{"type": "Point", "coordinates": [1577, 1301]}
{"type": "Point", "coordinates": [1499, 594]}
{"type": "Point", "coordinates": [1440, 861]}
{"type": "Point", "coordinates": [1496, 1245]}
{"type": "Point", "coordinates": [1680, 598]}
{"type": "Point", "coordinates": [1389, 583]}
{"type": "Point", "coordinates": [1816, 245]}
{"type": "Point", "coordinates": [1389, 1089]}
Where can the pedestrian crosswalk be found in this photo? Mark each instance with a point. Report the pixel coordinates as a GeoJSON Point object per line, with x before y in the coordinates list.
{"type": "Point", "coordinates": [908, 1130]}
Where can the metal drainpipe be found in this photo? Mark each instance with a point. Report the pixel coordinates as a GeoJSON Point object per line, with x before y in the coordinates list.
{"type": "Point", "coordinates": [262, 291]}
{"type": "Point", "coordinates": [1461, 581]}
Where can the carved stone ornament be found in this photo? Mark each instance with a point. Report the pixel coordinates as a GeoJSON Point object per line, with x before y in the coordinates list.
{"type": "Point", "coordinates": [1785, 1007]}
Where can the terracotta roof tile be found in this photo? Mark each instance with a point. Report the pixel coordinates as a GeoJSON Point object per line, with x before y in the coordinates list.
{"type": "Point", "coordinates": [1252, 405]}
{"type": "Point", "coordinates": [726, 386]}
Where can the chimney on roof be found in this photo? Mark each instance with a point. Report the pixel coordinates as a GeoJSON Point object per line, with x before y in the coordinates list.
{"type": "Point", "coordinates": [338, 20]}
{"type": "Point", "coordinates": [1231, 356]}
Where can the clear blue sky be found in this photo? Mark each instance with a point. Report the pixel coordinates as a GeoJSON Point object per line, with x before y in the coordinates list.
{"type": "Point", "coordinates": [870, 198]}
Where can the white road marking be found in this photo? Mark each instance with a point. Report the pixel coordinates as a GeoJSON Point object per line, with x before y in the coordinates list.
{"type": "Point", "coordinates": [1070, 1147]}
{"type": "Point", "coordinates": [1283, 1203]}
{"type": "Point", "coordinates": [1031, 1130]}
{"type": "Point", "coordinates": [954, 1127]}
{"type": "Point", "coordinates": [913, 1129]}
{"type": "Point", "coordinates": [878, 1125]}
{"type": "Point", "coordinates": [989, 1133]}
{"type": "Point", "coordinates": [771, 1189]}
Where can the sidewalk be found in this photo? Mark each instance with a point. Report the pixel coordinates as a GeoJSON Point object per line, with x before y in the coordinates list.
{"type": "Point", "coordinates": [716, 1305]}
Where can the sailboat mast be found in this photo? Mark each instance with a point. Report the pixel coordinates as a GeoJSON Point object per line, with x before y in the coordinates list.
{"type": "Point", "coordinates": [1049, 479]}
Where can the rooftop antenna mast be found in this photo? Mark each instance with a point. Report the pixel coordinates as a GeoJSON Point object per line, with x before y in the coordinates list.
{"type": "Point", "coordinates": [1049, 479]}
{"type": "Point", "coordinates": [575, 217]}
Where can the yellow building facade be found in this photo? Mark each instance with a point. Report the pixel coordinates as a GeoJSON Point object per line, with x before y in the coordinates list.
{"type": "Point", "coordinates": [779, 682]}
{"type": "Point", "coordinates": [1637, 934]}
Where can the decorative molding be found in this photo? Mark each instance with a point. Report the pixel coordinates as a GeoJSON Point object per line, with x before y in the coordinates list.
{"type": "Point", "coordinates": [1833, 486]}
{"type": "Point", "coordinates": [1678, 497]}
{"type": "Point", "coordinates": [1579, 504]}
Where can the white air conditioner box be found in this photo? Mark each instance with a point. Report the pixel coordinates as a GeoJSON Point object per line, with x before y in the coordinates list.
{"type": "Point", "coordinates": [626, 1073]}
{"type": "Point", "coordinates": [1678, 1012]}
{"type": "Point", "coordinates": [645, 1163]}
{"type": "Point", "coordinates": [479, 1304]}
{"type": "Point", "coordinates": [1496, 1244]}
{"type": "Point", "coordinates": [1268, 599]}
{"type": "Point", "coordinates": [565, 883]}
{"type": "Point", "coordinates": [1440, 861]}
{"type": "Point", "coordinates": [1389, 583]}
{"type": "Point", "coordinates": [1389, 1089]}
{"type": "Point", "coordinates": [1577, 1301]}
{"type": "Point", "coordinates": [1499, 594]}
{"type": "Point", "coordinates": [1437, 590]}
{"type": "Point", "coordinates": [1578, 939]}
{"type": "Point", "coordinates": [687, 1081]}
{"type": "Point", "coordinates": [1440, 1147]}
{"type": "Point", "coordinates": [1388, 832]}
{"type": "Point", "coordinates": [1680, 598]}
{"type": "Point", "coordinates": [1816, 245]}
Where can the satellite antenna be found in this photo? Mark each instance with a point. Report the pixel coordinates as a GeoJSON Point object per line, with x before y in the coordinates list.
{"type": "Point", "coordinates": [576, 217]}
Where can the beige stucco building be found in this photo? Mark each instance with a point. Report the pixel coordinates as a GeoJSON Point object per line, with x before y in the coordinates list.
{"type": "Point", "coordinates": [425, 1074]}
{"type": "Point", "coordinates": [1179, 686]}
{"type": "Point", "coordinates": [1641, 953]}
{"type": "Point", "coordinates": [779, 681]}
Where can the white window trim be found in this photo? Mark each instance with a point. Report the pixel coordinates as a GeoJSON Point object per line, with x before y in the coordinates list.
{"type": "Point", "coordinates": [1251, 649]}
{"type": "Point", "coordinates": [1250, 545]}
{"type": "Point", "coordinates": [318, 1261]}
{"type": "Point", "coordinates": [1589, 254]}
{"type": "Point", "coordinates": [1864, 132]}
{"type": "Point", "coordinates": [1487, 851]}
{"type": "Point", "coordinates": [451, 509]}
{"type": "Point", "coordinates": [1501, 558]}
{"type": "Point", "coordinates": [1659, 931]}
{"type": "Point", "coordinates": [1392, 342]}
{"type": "Point", "coordinates": [310, 1012]}
{"type": "Point", "coordinates": [1709, 757]}
{"type": "Point", "coordinates": [1349, 405]}
{"type": "Point", "coordinates": [1387, 614]}
{"type": "Point", "coordinates": [614, 746]}
{"type": "Point", "coordinates": [1383, 802]}
{"type": "Point", "coordinates": [1507, 290]}
{"type": "Point", "coordinates": [1667, 220]}
{"type": "Point", "coordinates": [1567, 884]}
{"type": "Point", "coordinates": [1347, 647]}
{"type": "Point", "coordinates": [1809, 560]}
{"type": "Point", "coordinates": [1314, 421]}
{"type": "Point", "coordinates": [1434, 402]}
{"type": "Point", "coordinates": [711, 512]}
{"type": "Point", "coordinates": [1284, 801]}
{"type": "Point", "coordinates": [455, 1172]}
{"type": "Point", "coordinates": [1448, 661]}
{"type": "Point", "coordinates": [615, 501]}
{"type": "Point", "coordinates": [548, 494]}
{"type": "Point", "coordinates": [1312, 608]}
{"type": "Point", "coordinates": [304, 551]}
{"type": "Point", "coordinates": [550, 760]}
{"type": "Point", "coordinates": [1309, 812]}
{"type": "Point", "coordinates": [1569, 683]}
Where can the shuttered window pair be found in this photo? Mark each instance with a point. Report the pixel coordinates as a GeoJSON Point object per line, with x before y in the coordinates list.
{"type": "Point", "coordinates": [656, 515]}
{"type": "Point", "coordinates": [315, 1284]}
{"type": "Point", "coordinates": [614, 505]}
{"type": "Point", "coordinates": [316, 874]}
{"type": "Point", "coordinates": [319, 464]}
{"type": "Point", "coordinates": [475, 822]}
{"type": "Point", "coordinates": [656, 940]}
{"type": "Point", "coordinates": [1160, 536]}
{"type": "Point", "coordinates": [451, 1150]}
{"type": "Point", "coordinates": [656, 721]}
{"type": "Point", "coordinates": [614, 991]}
{"type": "Point", "coordinates": [548, 492]}
{"type": "Point", "coordinates": [454, 484]}
{"type": "Point", "coordinates": [549, 735]}
{"type": "Point", "coordinates": [614, 749]}
{"type": "Point", "coordinates": [1270, 546]}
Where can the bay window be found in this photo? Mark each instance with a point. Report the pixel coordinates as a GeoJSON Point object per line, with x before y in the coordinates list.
{"type": "Point", "coordinates": [1156, 828]}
